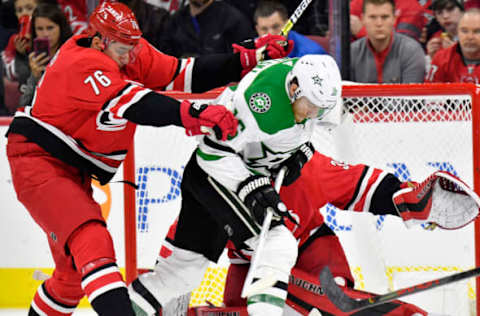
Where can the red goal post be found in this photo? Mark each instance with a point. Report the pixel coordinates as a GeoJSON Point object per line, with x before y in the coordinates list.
{"type": "Point", "coordinates": [403, 95]}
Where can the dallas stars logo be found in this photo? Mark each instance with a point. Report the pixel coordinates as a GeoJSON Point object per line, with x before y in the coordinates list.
{"type": "Point", "coordinates": [260, 102]}
{"type": "Point", "coordinates": [317, 80]}
{"type": "Point", "coordinates": [267, 157]}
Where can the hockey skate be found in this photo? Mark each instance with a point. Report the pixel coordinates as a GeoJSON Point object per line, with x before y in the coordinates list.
{"type": "Point", "coordinates": [442, 199]}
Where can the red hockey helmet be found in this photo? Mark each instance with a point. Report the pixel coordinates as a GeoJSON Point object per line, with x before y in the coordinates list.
{"type": "Point", "coordinates": [115, 21]}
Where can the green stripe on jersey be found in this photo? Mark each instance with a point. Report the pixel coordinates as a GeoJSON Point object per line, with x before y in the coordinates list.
{"type": "Point", "coordinates": [266, 298]}
{"type": "Point", "coordinates": [208, 157]}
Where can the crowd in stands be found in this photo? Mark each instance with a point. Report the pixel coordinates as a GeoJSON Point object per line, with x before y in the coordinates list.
{"type": "Point", "coordinates": [392, 41]}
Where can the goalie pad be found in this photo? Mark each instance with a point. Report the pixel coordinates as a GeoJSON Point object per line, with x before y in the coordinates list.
{"type": "Point", "coordinates": [442, 199]}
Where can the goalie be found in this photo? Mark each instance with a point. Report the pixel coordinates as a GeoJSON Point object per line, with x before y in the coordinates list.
{"type": "Point", "coordinates": [359, 188]}
{"type": "Point", "coordinates": [276, 121]}
{"type": "Point", "coordinates": [309, 185]}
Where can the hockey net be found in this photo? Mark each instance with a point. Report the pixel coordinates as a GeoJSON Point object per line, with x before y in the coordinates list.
{"type": "Point", "coordinates": [409, 130]}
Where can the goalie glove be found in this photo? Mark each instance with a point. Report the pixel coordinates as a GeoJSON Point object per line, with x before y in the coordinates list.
{"type": "Point", "coordinates": [442, 199]}
{"type": "Point", "coordinates": [295, 163]}
{"type": "Point", "coordinates": [265, 47]}
{"type": "Point", "coordinates": [203, 119]}
{"type": "Point", "coordinates": [258, 194]}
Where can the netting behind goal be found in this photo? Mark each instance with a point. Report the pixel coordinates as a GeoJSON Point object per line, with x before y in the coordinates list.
{"type": "Point", "coordinates": [409, 130]}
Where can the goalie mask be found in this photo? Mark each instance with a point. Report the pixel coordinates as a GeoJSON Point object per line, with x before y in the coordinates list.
{"type": "Point", "coordinates": [319, 81]}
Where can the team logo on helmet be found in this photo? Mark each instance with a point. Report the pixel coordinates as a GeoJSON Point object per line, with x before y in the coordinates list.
{"type": "Point", "coordinates": [260, 102]}
{"type": "Point", "coordinates": [317, 80]}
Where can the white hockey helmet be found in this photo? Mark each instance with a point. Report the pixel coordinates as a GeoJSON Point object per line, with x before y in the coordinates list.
{"type": "Point", "coordinates": [319, 80]}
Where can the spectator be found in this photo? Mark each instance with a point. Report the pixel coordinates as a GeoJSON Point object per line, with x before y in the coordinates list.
{"type": "Point", "coordinates": [204, 27]}
{"type": "Point", "coordinates": [385, 56]}
{"type": "Point", "coordinates": [247, 7]}
{"type": "Point", "coordinates": [17, 44]}
{"type": "Point", "coordinates": [48, 21]}
{"type": "Point", "coordinates": [447, 13]}
{"type": "Point", "coordinates": [459, 63]}
{"type": "Point", "coordinates": [410, 18]}
{"type": "Point", "coordinates": [314, 20]}
{"type": "Point", "coordinates": [271, 16]}
{"type": "Point", "coordinates": [8, 22]}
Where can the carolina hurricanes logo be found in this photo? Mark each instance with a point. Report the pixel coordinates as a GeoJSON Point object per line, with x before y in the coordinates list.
{"type": "Point", "coordinates": [107, 121]}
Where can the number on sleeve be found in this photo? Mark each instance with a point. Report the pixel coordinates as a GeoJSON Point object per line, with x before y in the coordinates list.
{"type": "Point", "coordinates": [100, 78]}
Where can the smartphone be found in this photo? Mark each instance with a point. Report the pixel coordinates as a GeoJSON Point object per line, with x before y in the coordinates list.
{"type": "Point", "coordinates": [41, 45]}
{"type": "Point", "coordinates": [25, 22]}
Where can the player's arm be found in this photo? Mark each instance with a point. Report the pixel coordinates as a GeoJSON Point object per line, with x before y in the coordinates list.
{"type": "Point", "coordinates": [442, 198]}
{"type": "Point", "coordinates": [141, 106]}
{"type": "Point", "coordinates": [159, 71]}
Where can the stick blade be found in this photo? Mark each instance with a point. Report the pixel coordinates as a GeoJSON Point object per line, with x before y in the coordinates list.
{"type": "Point", "coordinates": [335, 294]}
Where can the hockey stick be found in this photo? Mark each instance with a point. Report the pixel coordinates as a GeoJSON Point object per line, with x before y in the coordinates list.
{"type": "Point", "coordinates": [348, 304]}
{"type": "Point", "coordinates": [295, 16]}
{"type": "Point", "coordinates": [250, 288]}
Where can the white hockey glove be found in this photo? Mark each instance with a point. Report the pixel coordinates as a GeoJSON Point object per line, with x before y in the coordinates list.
{"type": "Point", "coordinates": [442, 199]}
{"type": "Point", "coordinates": [295, 163]}
{"type": "Point", "coordinates": [257, 193]}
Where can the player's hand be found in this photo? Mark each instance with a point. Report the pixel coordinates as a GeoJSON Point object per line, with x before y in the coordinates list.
{"type": "Point", "coordinates": [258, 194]}
{"type": "Point", "coordinates": [200, 119]}
{"type": "Point", "coordinates": [265, 47]}
{"type": "Point", "coordinates": [295, 163]}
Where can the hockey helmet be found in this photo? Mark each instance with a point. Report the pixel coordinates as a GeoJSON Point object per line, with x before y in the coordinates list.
{"type": "Point", "coordinates": [115, 21]}
{"type": "Point", "coordinates": [319, 80]}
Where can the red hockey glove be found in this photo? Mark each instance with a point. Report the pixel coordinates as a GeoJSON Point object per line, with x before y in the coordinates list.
{"type": "Point", "coordinates": [263, 48]}
{"type": "Point", "coordinates": [203, 119]}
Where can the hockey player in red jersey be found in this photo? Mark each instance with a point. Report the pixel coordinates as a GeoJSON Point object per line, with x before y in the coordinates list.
{"type": "Point", "coordinates": [94, 92]}
{"type": "Point", "coordinates": [358, 188]}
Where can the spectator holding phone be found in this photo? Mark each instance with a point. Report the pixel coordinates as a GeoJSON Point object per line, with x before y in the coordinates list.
{"type": "Point", "coordinates": [50, 29]}
{"type": "Point", "coordinates": [19, 42]}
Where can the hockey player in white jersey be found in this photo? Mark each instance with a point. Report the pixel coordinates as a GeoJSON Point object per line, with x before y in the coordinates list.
{"type": "Point", "coordinates": [226, 186]}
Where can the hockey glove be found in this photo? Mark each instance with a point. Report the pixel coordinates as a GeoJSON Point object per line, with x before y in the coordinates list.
{"type": "Point", "coordinates": [262, 48]}
{"type": "Point", "coordinates": [442, 199]}
{"type": "Point", "coordinates": [258, 194]}
{"type": "Point", "coordinates": [203, 119]}
{"type": "Point", "coordinates": [295, 163]}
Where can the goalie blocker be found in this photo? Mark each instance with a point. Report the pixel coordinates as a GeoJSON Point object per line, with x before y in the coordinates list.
{"type": "Point", "coordinates": [442, 199]}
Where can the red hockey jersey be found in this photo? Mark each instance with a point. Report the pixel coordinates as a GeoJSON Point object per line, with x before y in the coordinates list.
{"type": "Point", "coordinates": [77, 111]}
{"type": "Point", "coordinates": [448, 66]}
